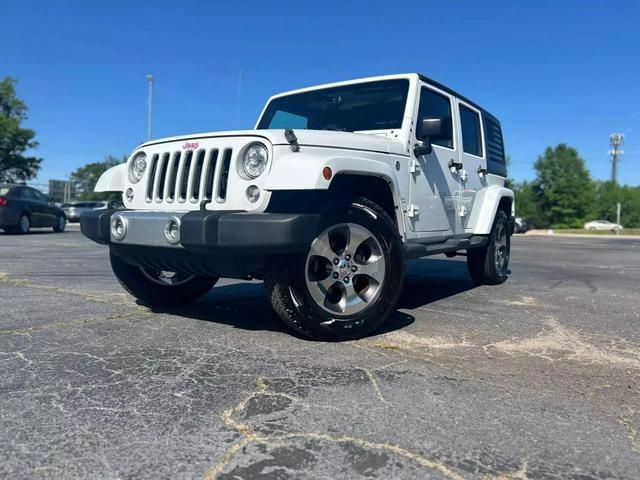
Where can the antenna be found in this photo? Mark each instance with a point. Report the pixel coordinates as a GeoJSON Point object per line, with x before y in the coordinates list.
{"type": "Point", "coordinates": [616, 140]}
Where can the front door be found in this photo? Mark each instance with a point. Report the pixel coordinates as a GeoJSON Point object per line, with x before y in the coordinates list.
{"type": "Point", "coordinates": [434, 188]}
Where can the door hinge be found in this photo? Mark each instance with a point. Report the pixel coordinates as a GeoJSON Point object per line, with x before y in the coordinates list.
{"type": "Point", "coordinates": [414, 166]}
{"type": "Point", "coordinates": [463, 175]}
{"type": "Point", "coordinates": [413, 211]}
{"type": "Point", "coordinates": [454, 166]}
{"type": "Point", "coordinates": [462, 211]}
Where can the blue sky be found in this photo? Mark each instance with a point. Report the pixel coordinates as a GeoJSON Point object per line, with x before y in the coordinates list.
{"type": "Point", "coordinates": [551, 71]}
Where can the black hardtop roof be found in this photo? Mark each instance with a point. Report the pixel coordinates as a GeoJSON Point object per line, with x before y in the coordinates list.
{"type": "Point", "coordinates": [451, 91]}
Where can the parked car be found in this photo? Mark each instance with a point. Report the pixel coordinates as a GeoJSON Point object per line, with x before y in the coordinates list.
{"type": "Point", "coordinates": [522, 225]}
{"type": "Point", "coordinates": [324, 200]}
{"type": "Point", "coordinates": [22, 208]}
{"type": "Point", "coordinates": [602, 225]}
{"type": "Point", "coordinates": [73, 210]}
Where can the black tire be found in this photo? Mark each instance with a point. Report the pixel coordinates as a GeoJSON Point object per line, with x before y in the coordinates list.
{"type": "Point", "coordinates": [24, 224]}
{"type": "Point", "coordinates": [139, 283]}
{"type": "Point", "coordinates": [286, 281]}
{"type": "Point", "coordinates": [61, 223]}
{"type": "Point", "coordinates": [484, 263]}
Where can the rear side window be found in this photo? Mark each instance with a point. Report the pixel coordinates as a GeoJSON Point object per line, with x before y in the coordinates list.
{"type": "Point", "coordinates": [40, 196]}
{"type": "Point", "coordinates": [28, 193]}
{"type": "Point", "coordinates": [471, 138]}
{"type": "Point", "coordinates": [494, 145]}
{"type": "Point", "coordinates": [435, 105]}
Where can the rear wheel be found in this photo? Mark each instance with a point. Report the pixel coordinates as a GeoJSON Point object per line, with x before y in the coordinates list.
{"type": "Point", "coordinates": [24, 224]}
{"type": "Point", "coordinates": [61, 223]}
{"type": "Point", "coordinates": [159, 287]}
{"type": "Point", "coordinates": [348, 282]}
{"type": "Point", "coordinates": [489, 264]}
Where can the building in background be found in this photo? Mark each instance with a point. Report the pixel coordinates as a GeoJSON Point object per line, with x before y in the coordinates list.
{"type": "Point", "coordinates": [61, 191]}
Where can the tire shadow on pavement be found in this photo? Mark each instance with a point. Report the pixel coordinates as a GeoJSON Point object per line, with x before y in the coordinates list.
{"type": "Point", "coordinates": [430, 280]}
{"type": "Point", "coordinates": [245, 306]}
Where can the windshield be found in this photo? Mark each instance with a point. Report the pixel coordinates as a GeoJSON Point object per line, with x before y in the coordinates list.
{"type": "Point", "coordinates": [362, 106]}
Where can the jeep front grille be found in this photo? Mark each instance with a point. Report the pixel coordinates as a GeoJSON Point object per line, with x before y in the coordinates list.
{"type": "Point", "coordinates": [190, 176]}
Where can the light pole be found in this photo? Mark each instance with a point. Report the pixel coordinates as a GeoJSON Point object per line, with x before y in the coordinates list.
{"type": "Point", "coordinates": [149, 103]}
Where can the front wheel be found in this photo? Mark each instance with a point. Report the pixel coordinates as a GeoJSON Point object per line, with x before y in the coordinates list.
{"type": "Point", "coordinates": [490, 264]}
{"type": "Point", "coordinates": [158, 287]}
{"type": "Point", "coordinates": [348, 282]}
{"type": "Point", "coordinates": [24, 224]}
{"type": "Point", "coordinates": [61, 223]}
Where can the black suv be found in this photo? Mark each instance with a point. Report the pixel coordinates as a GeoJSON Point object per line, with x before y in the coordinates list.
{"type": "Point", "coordinates": [23, 207]}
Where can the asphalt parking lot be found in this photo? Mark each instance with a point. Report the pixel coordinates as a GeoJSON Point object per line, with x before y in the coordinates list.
{"type": "Point", "coordinates": [537, 378]}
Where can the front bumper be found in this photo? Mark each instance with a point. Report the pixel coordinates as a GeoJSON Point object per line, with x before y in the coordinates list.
{"type": "Point", "coordinates": [214, 233]}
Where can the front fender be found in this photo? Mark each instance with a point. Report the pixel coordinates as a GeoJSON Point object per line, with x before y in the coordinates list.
{"type": "Point", "coordinates": [112, 180]}
{"type": "Point", "coordinates": [485, 208]}
{"type": "Point", "coordinates": [303, 170]}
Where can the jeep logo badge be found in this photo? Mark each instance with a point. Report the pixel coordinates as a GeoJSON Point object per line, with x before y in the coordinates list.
{"type": "Point", "coordinates": [190, 145]}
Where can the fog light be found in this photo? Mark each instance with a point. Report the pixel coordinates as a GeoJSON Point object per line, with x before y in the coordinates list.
{"type": "Point", "coordinates": [118, 227]}
{"type": "Point", "coordinates": [129, 194]}
{"type": "Point", "coordinates": [253, 194]}
{"type": "Point", "coordinates": [172, 231]}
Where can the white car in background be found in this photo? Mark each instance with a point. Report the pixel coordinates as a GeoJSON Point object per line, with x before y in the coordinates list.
{"type": "Point", "coordinates": [602, 225]}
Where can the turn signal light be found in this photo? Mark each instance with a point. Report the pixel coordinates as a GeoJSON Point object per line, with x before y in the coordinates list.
{"type": "Point", "coordinates": [327, 173]}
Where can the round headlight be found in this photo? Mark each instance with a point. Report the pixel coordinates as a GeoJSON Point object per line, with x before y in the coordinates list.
{"type": "Point", "coordinates": [137, 167]}
{"type": "Point", "coordinates": [255, 160]}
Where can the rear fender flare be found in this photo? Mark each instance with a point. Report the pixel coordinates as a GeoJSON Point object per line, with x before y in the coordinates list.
{"type": "Point", "coordinates": [486, 205]}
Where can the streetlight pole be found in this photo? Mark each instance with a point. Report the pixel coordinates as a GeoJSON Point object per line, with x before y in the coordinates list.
{"type": "Point", "coordinates": [149, 103]}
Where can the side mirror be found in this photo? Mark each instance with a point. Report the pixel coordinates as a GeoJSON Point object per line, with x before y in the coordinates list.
{"type": "Point", "coordinates": [430, 129]}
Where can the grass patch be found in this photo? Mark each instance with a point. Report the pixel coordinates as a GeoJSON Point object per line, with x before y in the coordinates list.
{"type": "Point", "coordinates": [386, 345]}
{"type": "Point", "coordinates": [582, 231]}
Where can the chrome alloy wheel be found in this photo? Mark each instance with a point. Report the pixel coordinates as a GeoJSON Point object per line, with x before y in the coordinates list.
{"type": "Point", "coordinates": [345, 269]}
{"type": "Point", "coordinates": [502, 254]}
{"type": "Point", "coordinates": [165, 278]}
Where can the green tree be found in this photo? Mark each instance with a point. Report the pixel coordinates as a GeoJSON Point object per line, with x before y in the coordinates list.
{"type": "Point", "coordinates": [563, 188]}
{"type": "Point", "coordinates": [527, 203]}
{"type": "Point", "coordinates": [14, 140]}
{"type": "Point", "coordinates": [608, 195]}
{"type": "Point", "coordinates": [85, 178]}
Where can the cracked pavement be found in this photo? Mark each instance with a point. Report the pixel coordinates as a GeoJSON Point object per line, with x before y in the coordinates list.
{"type": "Point", "coordinates": [536, 378]}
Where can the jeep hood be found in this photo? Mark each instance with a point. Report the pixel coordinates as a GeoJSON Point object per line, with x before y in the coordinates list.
{"type": "Point", "coordinates": [316, 138]}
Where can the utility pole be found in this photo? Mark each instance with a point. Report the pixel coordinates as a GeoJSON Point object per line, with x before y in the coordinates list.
{"type": "Point", "coordinates": [616, 140]}
{"type": "Point", "coordinates": [149, 103]}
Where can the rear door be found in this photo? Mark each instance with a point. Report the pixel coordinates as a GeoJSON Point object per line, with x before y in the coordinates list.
{"type": "Point", "coordinates": [433, 186]}
{"type": "Point", "coordinates": [472, 156]}
{"type": "Point", "coordinates": [37, 207]}
{"type": "Point", "coordinates": [49, 211]}
{"type": "Point", "coordinates": [29, 205]}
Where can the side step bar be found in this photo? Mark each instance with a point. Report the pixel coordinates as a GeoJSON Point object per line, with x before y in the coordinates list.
{"type": "Point", "coordinates": [412, 249]}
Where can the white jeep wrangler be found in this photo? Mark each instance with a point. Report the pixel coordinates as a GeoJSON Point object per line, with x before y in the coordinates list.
{"type": "Point", "coordinates": [324, 200]}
